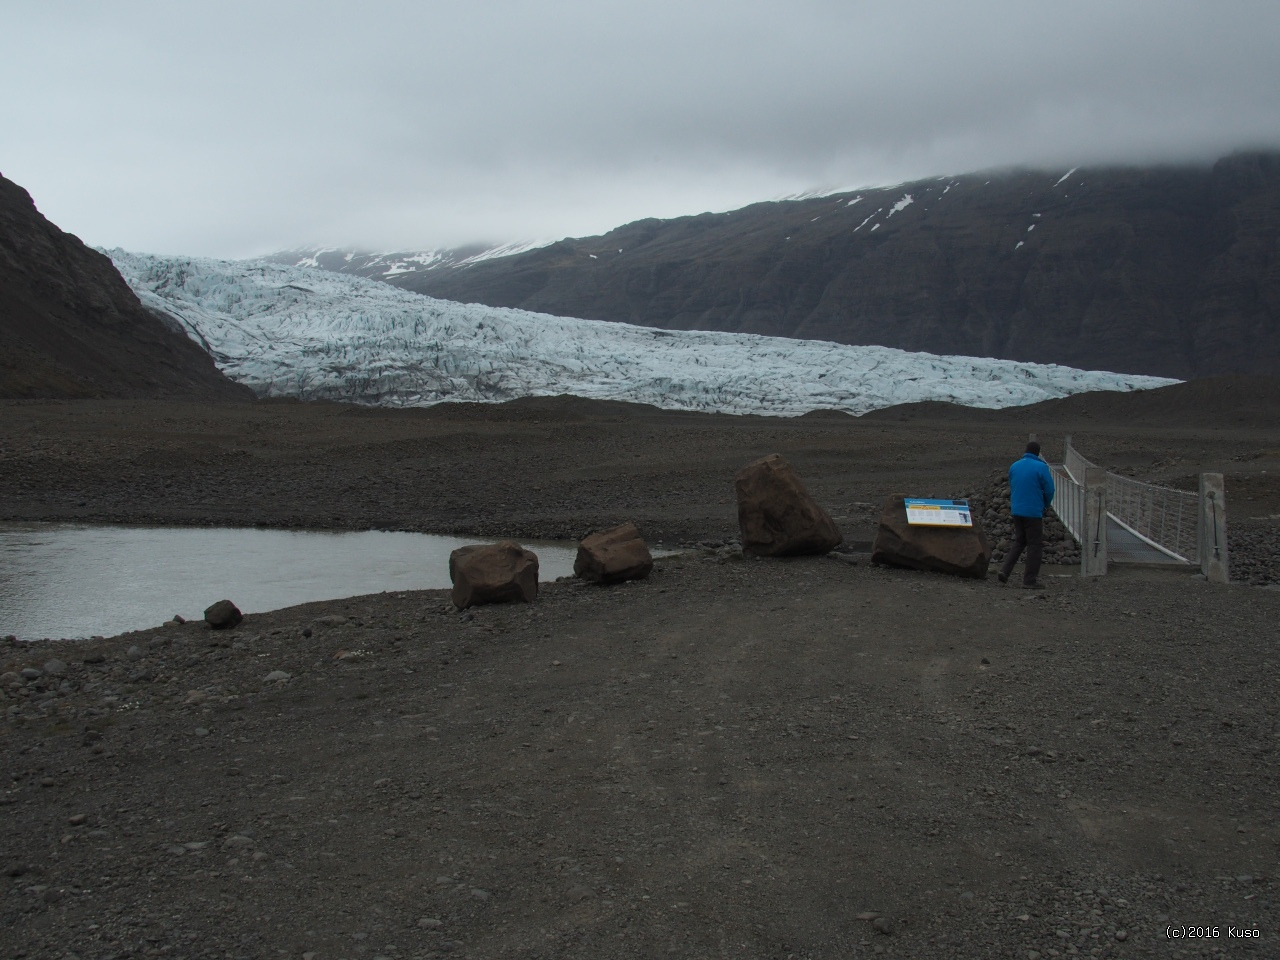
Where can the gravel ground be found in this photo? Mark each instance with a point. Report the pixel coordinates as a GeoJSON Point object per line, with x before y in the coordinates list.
{"type": "Point", "coordinates": [811, 758]}
{"type": "Point", "coordinates": [807, 758]}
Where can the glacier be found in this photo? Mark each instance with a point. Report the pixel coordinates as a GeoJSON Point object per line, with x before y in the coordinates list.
{"type": "Point", "coordinates": [289, 331]}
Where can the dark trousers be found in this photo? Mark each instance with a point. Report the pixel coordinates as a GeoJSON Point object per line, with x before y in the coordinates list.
{"type": "Point", "coordinates": [1028, 532]}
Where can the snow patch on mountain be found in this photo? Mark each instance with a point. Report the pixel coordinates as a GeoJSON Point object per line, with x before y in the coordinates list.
{"type": "Point", "coordinates": [313, 334]}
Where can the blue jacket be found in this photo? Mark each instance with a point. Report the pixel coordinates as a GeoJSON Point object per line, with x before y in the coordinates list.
{"type": "Point", "coordinates": [1030, 487]}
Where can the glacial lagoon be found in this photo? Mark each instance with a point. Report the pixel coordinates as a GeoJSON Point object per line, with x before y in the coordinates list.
{"type": "Point", "coordinates": [76, 580]}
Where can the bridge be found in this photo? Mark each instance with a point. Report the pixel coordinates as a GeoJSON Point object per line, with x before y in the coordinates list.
{"type": "Point", "coordinates": [1118, 519]}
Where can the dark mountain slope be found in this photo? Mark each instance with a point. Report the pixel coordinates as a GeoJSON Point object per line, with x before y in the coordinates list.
{"type": "Point", "coordinates": [71, 327]}
{"type": "Point", "coordinates": [1172, 271]}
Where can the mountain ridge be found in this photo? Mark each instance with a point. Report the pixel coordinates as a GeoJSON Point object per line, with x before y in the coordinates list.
{"type": "Point", "coordinates": [71, 327]}
{"type": "Point", "coordinates": [1169, 271]}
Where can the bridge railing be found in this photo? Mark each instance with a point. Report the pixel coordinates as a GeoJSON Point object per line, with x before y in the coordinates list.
{"type": "Point", "coordinates": [1068, 500]}
{"type": "Point", "coordinates": [1186, 527]}
{"type": "Point", "coordinates": [1165, 518]}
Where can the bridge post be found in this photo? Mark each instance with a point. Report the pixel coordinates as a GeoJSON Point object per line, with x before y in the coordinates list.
{"type": "Point", "coordinates": [1212, 530]}
{"type": "Point", "coordinates": [1093, 545]}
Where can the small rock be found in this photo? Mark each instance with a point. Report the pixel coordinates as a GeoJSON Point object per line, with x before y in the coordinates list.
{"type": "Point", "coordinates": [32, 673]}
{"type": "Point", "coordinates": [882, 925]}
{"type": "Point", "coordinates": [276, 676]}
{"type": "Point", "coordinates": [55, 668]}
{"type": "Point", "coordinates": [96, 657]}
{"type": "Point", "coordinates": [77, 819]}
{"type": "Point", "coordinates": [201, 732]}
{"type": "Point", "coordinates": [1122, 935]}
{"type": "Point", "coordinates": [479, 894]}
{"type": "Point", "coordinates": [223, 615]}
{"type": "Point", "coordinates": [133, 653]}
{"type": "Point", "coordinates": [430, 923]}
{"type": "Point", "coordinates": [178, 619]}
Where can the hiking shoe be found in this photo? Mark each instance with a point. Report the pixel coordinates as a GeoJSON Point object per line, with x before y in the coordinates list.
{"type": "Point", "coordinates": [1003, 578]}
{"type": "Point", "coordinates": [1033, 585]}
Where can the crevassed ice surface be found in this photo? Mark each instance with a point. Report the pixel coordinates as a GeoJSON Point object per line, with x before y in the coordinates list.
{"type": "Point", "coordinates": [312, 334]}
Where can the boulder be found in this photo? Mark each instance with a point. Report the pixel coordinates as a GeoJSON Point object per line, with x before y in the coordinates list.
{"type": "Point", "coordinates": [960, 551]}
{"type": "Point", "coordinates": [501, 572]}
{"type": "Point", "coordinates": [777, 516]}
{"type": "Point", "coordinates": [223, 615]}
{"type": "Point", "coordinates": [614, 555]}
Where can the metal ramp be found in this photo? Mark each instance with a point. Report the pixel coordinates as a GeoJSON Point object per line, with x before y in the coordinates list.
{"type": "Point", "coordinates": [1125, 546]}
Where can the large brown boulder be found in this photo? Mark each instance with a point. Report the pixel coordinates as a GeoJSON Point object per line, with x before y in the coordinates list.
{"type": "Point", "coordinates": [777, 516]}
{"type": "Point", "coordinates": [960, 551]}
{"type": "Point", "coordinates": [614, 555]}
{"type": "Point", "coordinates": [501, 572]}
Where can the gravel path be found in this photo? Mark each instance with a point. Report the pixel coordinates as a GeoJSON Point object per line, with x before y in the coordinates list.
{"type": "Point", "coordinates": [810, 758]}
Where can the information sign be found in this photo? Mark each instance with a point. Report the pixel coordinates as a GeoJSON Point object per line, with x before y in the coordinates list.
{"type": "Point", "coordinates": [938, 513]}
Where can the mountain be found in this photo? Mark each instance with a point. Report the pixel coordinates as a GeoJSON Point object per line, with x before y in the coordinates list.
{"type": "Point", "coordinates": [71, 327]}
{"type": "Point", "coordinates": [307, 333]}
{"type": "Point", "coordinates": [389, 266]}
{"type": "Point", "coordinates": [1170, 271]}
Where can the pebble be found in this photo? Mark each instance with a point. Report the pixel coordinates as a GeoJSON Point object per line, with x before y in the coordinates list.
{"type": "Point", "coordinates": [133, 653]}
{"type": "Point", "coordinates": [55, 668]}
{"type": "Point", "coordinates": [201, 732]}
{"type": "Point", "coordinates": [32, 673]}
{"type": "Point", "coordinates": [77, 819]}
{"type": "Point", "coordinates": [276, 676]}
{"type": "Point", "coordinates": [430, 923]}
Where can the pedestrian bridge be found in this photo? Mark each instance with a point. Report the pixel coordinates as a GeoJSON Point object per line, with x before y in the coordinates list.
{"type": "Point", "coordinates": [1118, 519]}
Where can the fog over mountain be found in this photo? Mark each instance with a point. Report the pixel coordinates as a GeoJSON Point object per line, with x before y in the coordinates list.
{"type": "Point", "coordinates": [237, 129]}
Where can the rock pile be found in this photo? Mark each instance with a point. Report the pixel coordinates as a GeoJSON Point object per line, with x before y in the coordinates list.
{"type": "Point", "coordinates": [990, 504]}
{"type": "Point", "coordinates": [1253, 552]}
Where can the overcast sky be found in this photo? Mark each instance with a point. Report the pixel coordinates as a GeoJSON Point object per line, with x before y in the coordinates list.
{"type": "Point", "coordinates": [233, 129]}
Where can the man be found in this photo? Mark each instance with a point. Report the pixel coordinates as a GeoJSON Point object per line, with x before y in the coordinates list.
{"type": "Point", "coordinates": [1030, 493]}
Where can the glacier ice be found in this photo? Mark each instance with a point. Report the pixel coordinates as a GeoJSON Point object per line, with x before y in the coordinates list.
{"type": "Point", "coordinates": [312, 334]}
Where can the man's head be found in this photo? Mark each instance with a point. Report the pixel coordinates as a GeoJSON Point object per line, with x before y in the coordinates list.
{"type": "Point", "coordinates": [1033, 447]}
